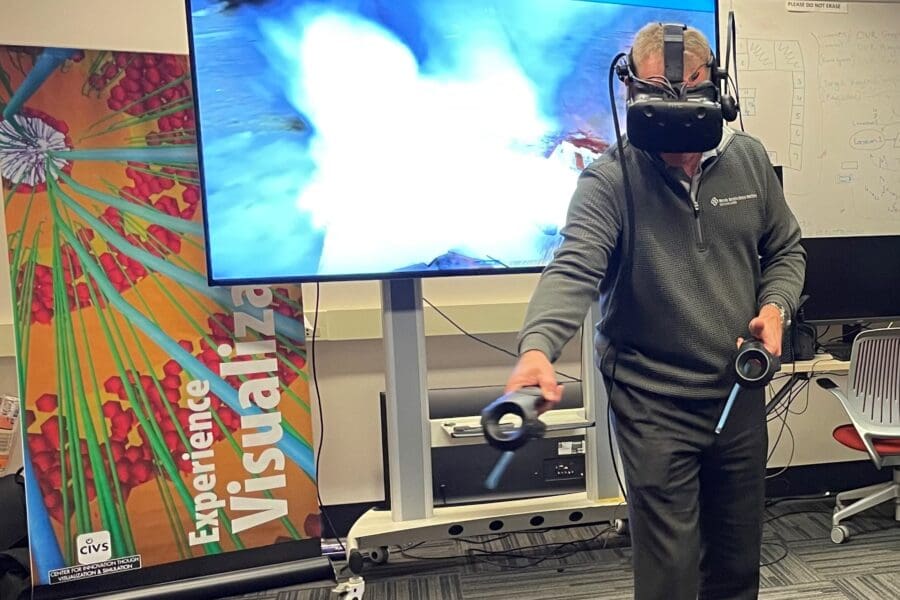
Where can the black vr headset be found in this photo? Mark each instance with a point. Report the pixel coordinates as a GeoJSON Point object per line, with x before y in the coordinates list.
{"type": "Point", "coordinates": [670, 114]}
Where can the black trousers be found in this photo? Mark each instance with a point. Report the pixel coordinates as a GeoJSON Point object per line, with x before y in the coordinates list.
{"type": "Point", "coordinates": [695, 499]}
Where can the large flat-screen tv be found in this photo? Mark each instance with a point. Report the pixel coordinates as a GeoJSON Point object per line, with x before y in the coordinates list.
{"type": "Point", "coordinates": [368, 139]}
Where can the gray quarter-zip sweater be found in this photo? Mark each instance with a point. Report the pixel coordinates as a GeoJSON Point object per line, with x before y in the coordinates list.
{"type": "Point", "coordinates": [707, 256]}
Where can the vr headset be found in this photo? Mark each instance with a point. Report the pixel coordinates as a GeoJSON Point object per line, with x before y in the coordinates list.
{"type": "Point", "coordinates": [674, 115]}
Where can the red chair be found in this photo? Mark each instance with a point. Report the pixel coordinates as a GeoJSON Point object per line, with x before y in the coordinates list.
{"type": "Point", "coordinates": [872, 402]}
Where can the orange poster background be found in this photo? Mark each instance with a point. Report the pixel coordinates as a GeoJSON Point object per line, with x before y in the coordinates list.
{"type": "Point", "coordinates": [98, 285]}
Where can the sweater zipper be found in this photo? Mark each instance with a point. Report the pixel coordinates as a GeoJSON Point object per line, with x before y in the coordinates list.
{"type": "Point", "coordinates": [695, 202]}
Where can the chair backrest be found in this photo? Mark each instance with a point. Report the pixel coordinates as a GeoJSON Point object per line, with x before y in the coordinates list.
{"type": "Point", "coordinates": [873, 390]}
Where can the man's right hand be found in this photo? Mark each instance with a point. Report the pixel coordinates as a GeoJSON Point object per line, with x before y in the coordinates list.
{"type": "Point", "coordinates": [534, 369]}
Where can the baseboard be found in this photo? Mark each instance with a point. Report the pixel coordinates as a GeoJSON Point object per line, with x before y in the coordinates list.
{"type": "Point", "coordinates": [804, 480]}
{"type": "Point", "coordinates": [814, 480]}
{"type": "Point", "coordinates": [343, 516]}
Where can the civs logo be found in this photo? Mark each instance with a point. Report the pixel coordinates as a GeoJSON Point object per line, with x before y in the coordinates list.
{"type": "Point", "coordinates": [93, 547]}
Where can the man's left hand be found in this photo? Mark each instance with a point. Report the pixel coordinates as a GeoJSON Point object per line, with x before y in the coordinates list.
{"type": "Point", "coordinates": [767, 327]}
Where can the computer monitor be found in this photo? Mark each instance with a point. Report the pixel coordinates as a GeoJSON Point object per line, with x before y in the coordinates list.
{"type": "Point", "coordinates": [852, 279]}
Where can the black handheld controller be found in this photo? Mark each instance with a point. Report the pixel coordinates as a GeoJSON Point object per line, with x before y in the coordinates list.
{"type": "Point", "coordinates": [754, 366]}
{"type": "Point", "coordinates": [524, 404]}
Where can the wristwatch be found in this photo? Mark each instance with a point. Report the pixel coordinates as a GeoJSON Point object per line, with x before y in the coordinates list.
{"type": "Point", "coordinates": [785, 317]}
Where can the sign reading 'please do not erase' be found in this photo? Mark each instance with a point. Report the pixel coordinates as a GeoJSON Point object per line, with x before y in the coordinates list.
{"type": "Point", "coordinates": [816, 6]}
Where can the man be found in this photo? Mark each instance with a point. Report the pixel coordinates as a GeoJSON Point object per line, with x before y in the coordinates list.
{"type": "Point", "coordinates": [716, 255]}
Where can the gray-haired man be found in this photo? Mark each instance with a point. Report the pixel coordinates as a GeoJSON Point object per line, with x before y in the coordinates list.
{"type": "Point", "coordinates": [716, 253]}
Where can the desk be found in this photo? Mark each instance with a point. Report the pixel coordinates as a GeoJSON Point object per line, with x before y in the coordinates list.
{"type": "Point", "coordinates": [819, 363]}
{"type": "Point", "coordinates": [804, 369]}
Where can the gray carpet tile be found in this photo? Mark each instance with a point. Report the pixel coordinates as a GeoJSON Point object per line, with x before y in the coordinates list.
{"type": "Point", "coordinates": [592, 562]}
{"type": "Point", "coordinates": [820, 590]}
{"type": "Point", "coordinates": [796, 521]}
{"type": "Point", "coordinates": [860, 556]}
{"type": "Point", "coordinates": [867, 587]}
{"type": "Point", "coordinates": [316, 591]}
{"type": "Point", "coordinates": [583, 582]}
{"type": "Point", "coordinates": [445, 586]}
{"type": "Point", "coordinates": [419, 587]}
{"type": "Point", "coordinates": [785, 569]}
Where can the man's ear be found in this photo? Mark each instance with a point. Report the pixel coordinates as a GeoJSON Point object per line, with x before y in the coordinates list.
{"type": "Point", "coordinates": [698, 67]}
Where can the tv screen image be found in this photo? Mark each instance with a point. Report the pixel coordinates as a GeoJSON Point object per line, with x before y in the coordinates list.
{"type": "Point", "coordinates": [367, 139]}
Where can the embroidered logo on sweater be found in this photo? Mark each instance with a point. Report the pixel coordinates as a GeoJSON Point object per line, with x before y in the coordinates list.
{"type": "Point", "coordinates": [731, 201]}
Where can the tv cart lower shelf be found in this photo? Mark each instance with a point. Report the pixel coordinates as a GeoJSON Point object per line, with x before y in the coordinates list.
{"type": "Point", "coordinates": [375, 531]}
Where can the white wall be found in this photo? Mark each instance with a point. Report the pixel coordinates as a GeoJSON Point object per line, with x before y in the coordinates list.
{"type": "Point", "coordinates": [351, 370]}
{"type": "Point", "coordinates": [137, 25]}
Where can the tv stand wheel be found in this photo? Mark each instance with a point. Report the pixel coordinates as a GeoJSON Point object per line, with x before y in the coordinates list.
{"type": "Point", "coordinates": [356, 561]}
{"type": "Point", "coordinates": [621, 526]}
{"type": "Point", "coordinates": [380, 555]}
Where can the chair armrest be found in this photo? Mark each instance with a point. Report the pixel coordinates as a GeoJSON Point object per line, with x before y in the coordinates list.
{"type": "Point", "coordinates": [827, 384]}
{"type": "Point", "coordinates": [865, 432]}
{"type": "Point", "coordinates": [883, 432]}
{"type": "Point", "coordinates": [869, 441]}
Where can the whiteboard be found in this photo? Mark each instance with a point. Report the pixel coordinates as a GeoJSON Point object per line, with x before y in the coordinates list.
{"type": "Point", "coordinates": [822, 92]}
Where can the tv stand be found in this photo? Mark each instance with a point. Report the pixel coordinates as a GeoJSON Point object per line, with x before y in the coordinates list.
{"type": "Point", "coordinates": [413, 517]}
